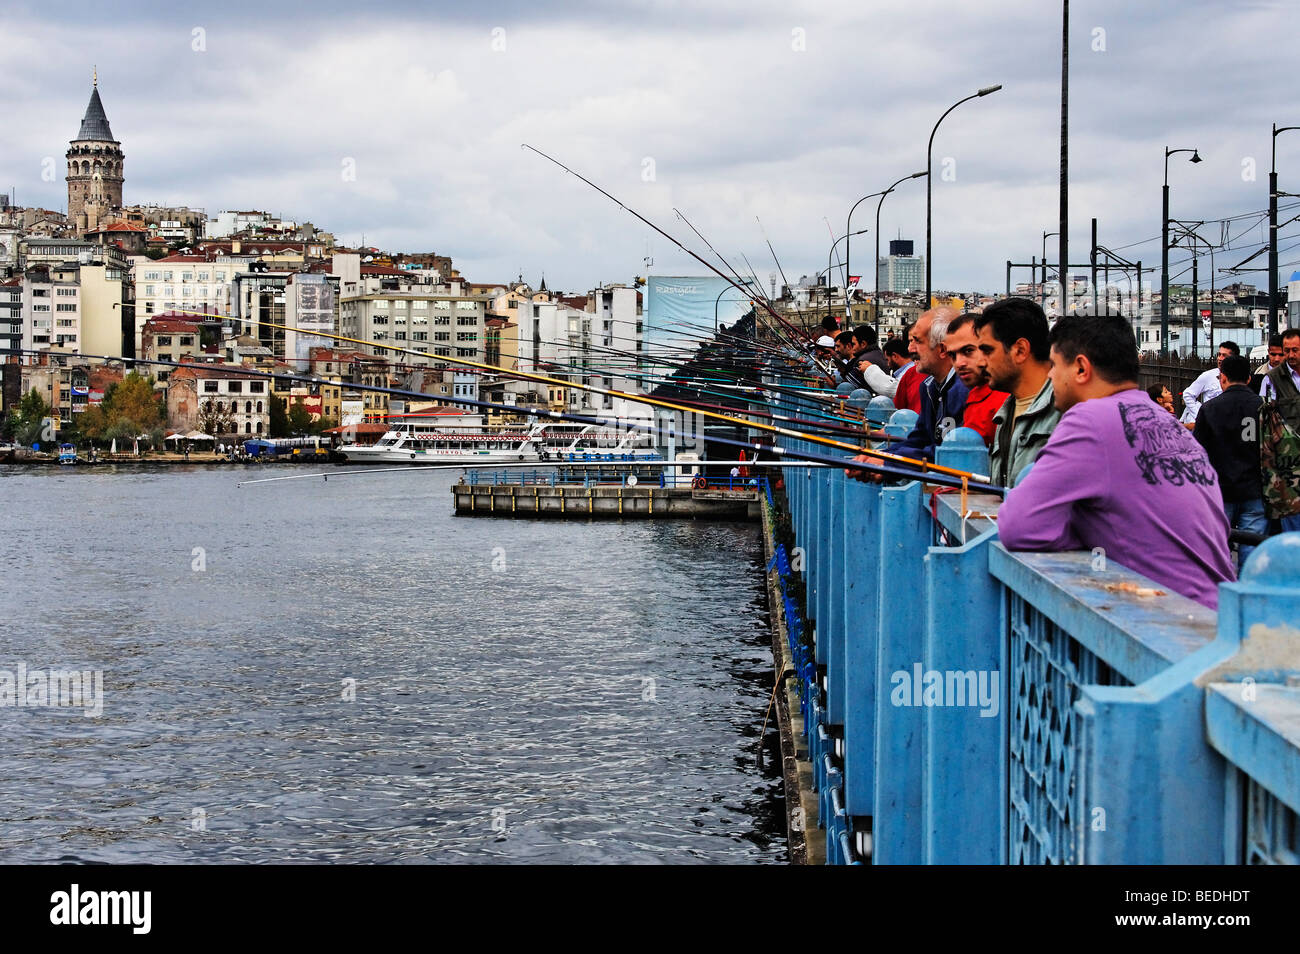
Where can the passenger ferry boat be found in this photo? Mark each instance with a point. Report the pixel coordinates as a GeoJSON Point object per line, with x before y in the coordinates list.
{"type": "Point", "coordinates": [554, 442]}
{"type": "Point", "coordinates": [67, 453]}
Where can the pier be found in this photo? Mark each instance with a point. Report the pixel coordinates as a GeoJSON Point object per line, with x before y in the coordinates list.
{"type": "Point", "coordinates": [952, 702]}
{"type": "Point", "coordinates": [539, 493]}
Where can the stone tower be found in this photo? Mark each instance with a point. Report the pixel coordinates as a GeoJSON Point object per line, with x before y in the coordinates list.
{"type": "Point", "coordinates": [94, 168]}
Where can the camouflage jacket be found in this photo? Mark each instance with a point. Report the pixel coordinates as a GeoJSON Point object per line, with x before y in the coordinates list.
{"type": "Point", "coordinates": [1279, 447]}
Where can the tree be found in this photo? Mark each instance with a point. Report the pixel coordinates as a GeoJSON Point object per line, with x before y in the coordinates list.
{"type": "Point", "coordinates": [209, 421]}
{"type": "Point", "coordinates": [33, 421]}
{"type": "Point", "coordinates": [131, 407]}
{"type": "Point", "coordinates": [300, 421]}
{"type": "Point", "coordinates": [279, 425]}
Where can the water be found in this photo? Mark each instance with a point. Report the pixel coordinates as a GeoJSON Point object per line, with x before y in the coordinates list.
{"type": "Point", "coordinates": [525, 690]}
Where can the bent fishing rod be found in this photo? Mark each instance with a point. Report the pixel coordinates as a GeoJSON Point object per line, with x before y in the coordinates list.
{"type": "Point", "coordinates": [905, 468]}
{"type": "Point", "coordinates": [539, 465]}
{"type": "Point", "coordinates": [657, 229]}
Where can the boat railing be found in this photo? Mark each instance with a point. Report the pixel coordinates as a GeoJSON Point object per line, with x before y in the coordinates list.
{"type": "Point", "coordinates": [967, 704]}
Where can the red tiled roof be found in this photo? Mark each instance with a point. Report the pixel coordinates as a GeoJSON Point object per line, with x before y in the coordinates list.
{"type": "Point", "coordinates": [213, 370]}
{"type": "Point", "coordinates": [119, 227]}
{"type": "Point", "coordinates": [164, 324]}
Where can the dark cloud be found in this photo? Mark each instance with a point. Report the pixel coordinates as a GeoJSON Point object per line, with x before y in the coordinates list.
{"type": "Point", "coordinates": [737, 120]}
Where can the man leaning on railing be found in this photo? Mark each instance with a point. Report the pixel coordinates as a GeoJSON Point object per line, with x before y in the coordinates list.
{"type": "Point", "coordinates": [1119, 472]}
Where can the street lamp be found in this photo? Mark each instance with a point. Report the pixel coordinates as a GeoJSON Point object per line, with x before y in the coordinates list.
{"type": "Point", "coordinates": [828, 265]}
{"type": "Point", "coordinates": [848, 224]}
{"type": "Point", "coordinates": [1164, 250]}
{"type": "Point", "coordinates": [1042, 289]}
{"type": "Point", "coordinates": [929, 149]}
{"type": "Point", "coordinates": [719, 299]}
{"type": "Point", "coordinates": [1272, 233]}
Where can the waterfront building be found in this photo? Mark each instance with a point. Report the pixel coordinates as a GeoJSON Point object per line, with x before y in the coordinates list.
{"type": "Point", "coordinates": [95, 169]}
{"type": "Point", "coordinates": [69, 383]}
{"type": "Point", "coordinates": [442, 320]}
{"type": "Point", "coordinates": [219, 400]}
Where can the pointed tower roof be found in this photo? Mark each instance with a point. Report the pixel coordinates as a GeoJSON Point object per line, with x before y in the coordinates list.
{"type": "Point", "coordinates": [543, 285]}
{"type": "Point", "coordinates": [94, 125]}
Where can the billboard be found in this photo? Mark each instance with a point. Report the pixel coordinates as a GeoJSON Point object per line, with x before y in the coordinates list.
{"type": "Point", "coordinates": [682, 310]}
{"type": "Point", "coordinates": [310, 307]}
{"type": "Point", "coordinates": [352, 411]}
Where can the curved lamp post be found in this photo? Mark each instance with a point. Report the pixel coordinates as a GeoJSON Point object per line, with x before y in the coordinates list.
{"type": "Point", "coordinates": [1164, 250]}
{"type": "Point", "coordinates": [929, 149]}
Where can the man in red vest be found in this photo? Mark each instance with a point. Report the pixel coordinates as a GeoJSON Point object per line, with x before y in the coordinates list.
{"type": "Point", "coordinates": [971, 366]}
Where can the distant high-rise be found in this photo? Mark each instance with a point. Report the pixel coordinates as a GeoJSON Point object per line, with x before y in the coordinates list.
{"type": "Point", "coordinates": [902, 272]}
{"type": "Point", "coordinates": [94, 168]}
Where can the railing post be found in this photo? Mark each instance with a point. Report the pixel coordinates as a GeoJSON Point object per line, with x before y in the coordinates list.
{"type": "Point", "coordinates": [963, 449]}
{"type": "Point", "coordinates": [905, 533]}
{"type": "Point", "coordinates": [833, 604]}
{"type": "Point", "coordinates": [964, 791]}
{"type": "Point", "coordinates": [1253, 704]}
{"type": "Point", "coordinates": [861, 542]}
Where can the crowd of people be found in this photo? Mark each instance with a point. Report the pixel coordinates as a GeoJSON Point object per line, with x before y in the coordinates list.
{"type": "Point", "coordinates": [1091, 459]}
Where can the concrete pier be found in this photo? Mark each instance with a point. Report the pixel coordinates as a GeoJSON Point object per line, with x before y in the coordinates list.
{"type": "Point", "coordinates": [613, 500]}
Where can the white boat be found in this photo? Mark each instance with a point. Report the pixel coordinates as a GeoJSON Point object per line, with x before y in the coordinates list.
{"type": "Point", "coordinates": [425, 443]}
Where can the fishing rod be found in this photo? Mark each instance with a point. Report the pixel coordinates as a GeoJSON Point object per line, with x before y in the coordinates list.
{"type": "Point", "coordinates": [905, 467]}
{"type": "Point", "coordinates": [536, 465]}
{"type": "Point", "coordinates": [593, 389]}
{"type": "Point", "coordinates": [784, 282]}
{"type": "Point", "coordinates": [650, 224]}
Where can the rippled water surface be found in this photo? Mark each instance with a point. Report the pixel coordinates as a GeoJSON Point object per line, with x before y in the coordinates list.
{"type": "Point", "coordinates": [525, 690]}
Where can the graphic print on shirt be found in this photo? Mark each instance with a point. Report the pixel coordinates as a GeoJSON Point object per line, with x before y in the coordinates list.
{"type": "Point", "coordinates": [1163, 447]}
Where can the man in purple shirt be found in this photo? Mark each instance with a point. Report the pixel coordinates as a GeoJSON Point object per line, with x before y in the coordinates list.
{"type": "Point", "coordinates": [1119, 472]}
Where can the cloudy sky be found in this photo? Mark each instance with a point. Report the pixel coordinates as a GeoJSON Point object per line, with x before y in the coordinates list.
{"type": "Point", "coordinates": [726, 110]}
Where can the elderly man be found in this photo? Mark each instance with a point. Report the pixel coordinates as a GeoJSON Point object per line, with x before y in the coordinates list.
{"type": "Point", "coordinates": [943, 396]}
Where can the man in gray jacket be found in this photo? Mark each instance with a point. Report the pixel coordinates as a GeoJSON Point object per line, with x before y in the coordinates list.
{"type": "Point", "coordinates": [1013, 339]}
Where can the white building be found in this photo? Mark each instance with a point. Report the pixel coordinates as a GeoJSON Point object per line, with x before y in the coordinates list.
{"type": "Point", "coordinates": [232, 223]}
{"type": "Point", "coordinates": [200, 283]}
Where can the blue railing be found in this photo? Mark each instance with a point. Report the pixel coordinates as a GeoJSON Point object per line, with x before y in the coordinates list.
{"type": "Point", "coordinates": [966, 704]}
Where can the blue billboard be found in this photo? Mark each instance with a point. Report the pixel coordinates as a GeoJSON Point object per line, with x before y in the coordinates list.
{"type": "Point", "coordinates": [680, 310]}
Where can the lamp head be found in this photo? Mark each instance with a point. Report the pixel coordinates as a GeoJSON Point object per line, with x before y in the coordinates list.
{"type": "Point", "coordinates": [989, 89]}
{"type": "Point", "coordinates": [1196, 156]}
